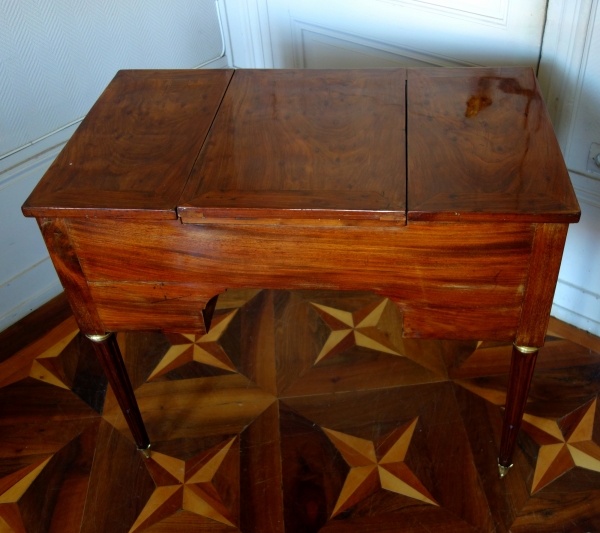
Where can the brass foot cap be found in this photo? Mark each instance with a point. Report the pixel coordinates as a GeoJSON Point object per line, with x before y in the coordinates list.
{"type": "Point", "coordinates": [503, 470]}
{"type": "Point", "coordinates": [145, 451]}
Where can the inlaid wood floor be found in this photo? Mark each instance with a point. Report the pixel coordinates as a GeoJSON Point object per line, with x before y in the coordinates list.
{"type": "Point", "coordinates": [297, 412]}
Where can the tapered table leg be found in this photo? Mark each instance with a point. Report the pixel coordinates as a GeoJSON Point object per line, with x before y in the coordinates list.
{"type": "Point", "coordinates": [519, 381]}
{"type": "Point", "coordinates": [109, 354]}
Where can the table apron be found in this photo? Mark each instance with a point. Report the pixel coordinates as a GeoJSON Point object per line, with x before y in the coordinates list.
{"type": "Point", "coordinates": [453, 281]}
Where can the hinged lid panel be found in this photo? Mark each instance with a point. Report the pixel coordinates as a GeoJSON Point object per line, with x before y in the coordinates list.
{"type": "Point", "coordinates": [481, 147]}
{"type": "Point", "coordinates": [304, 144]}
{"type": "Point", "coordinates": [132, 154]}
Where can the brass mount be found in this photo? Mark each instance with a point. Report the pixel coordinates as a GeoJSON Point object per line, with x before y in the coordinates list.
{"type": "Point", "coordinates": [526, 349]}
{"type": "Point", "coordinates": [145, 451]}
{"type": "Point", "coordinates": [98, 338]}
{"type": "Point", "coordinates": [503, 470]}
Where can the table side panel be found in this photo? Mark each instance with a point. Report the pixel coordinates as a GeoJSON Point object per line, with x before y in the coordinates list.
{"type": "Point", "coordinates": [56, 236]}
{"type": "Point", "coordinates": [481, 147]}
{"type": "Point", "coordinates": [329, 141]}
{"type": "Point", "coordinates": [161, 305]}
{"type": "Point", "coordinates": [546, 255]}
{"type": "Point", "coordinates": [467, 279]}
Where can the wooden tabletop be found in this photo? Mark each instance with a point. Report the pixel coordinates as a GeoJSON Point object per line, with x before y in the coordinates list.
{"type": "Point", "coordinates": [379, 144]}
{"type": "Point", "coordinates": [132, 154]}
{"type": "Point", "coordinates": [481, 147]}
{"type": "Point", "coordinates": [304, 143]}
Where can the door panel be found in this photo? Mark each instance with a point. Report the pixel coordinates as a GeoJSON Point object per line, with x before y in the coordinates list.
{"type": "Point", "coordinates": [370, 33]}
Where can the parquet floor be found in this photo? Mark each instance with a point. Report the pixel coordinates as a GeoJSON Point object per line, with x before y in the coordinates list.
{"type": "Point", "coordinates": [298, 412]}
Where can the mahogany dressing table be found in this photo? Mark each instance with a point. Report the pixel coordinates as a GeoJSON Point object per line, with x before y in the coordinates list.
{"type": "Point", "coordinates": [441, 189]}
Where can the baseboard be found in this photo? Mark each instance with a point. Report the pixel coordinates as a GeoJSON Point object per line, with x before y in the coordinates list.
{"type": "Point", "coordinates": [22, 307]}
{"type": "Point", "coordinates": [576, 319]}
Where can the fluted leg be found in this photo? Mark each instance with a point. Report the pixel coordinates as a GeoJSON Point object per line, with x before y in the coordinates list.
{"type": "Point", "coordinates": [109, 355]}
{"type": "Point", "coordinates": [521, 372]}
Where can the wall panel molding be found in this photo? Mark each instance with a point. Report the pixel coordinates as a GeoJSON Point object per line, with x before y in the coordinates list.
{"type": "Point", "coordinates": [249, 33]}
{"type": "Point", "coordinates": [562, 64]}
{"type": "Point", "coordinates": [493, 12]}
{"type": "Point", "coordinates": [587, 188]}
{"type": "Point", "coordinates": [308, 37]}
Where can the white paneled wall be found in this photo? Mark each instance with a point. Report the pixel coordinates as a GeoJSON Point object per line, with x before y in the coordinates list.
{"type": "Point", "coordinates": [56, 57]}
{"type": "Point", "coordinates": [570, 74]}
{"type": "Point", "coordinates": [366, 33]}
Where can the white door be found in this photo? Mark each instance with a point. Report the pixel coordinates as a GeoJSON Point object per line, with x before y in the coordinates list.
{"type": "Point", "coordinates": [385, 33]}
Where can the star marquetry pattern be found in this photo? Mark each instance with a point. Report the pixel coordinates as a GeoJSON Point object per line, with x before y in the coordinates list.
{"type": "Point", "coordinates": [494, 396]}
{"type": "Point", "coordinates": [563, 444]}
{"type": "Point", "coordinates": [354, 329]}
{"type": "Point", "coordinates": [377, 465]}
{"type": "Point", "coordinates": [47, 366]}
{"type": "Point", "coordinates": [203, 349]}
{"type": "Point", "coordinates": [190, 485]}
{"type": "Point", "coordinates": [12, 489]}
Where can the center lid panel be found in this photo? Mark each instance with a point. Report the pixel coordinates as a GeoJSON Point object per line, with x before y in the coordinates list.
{"type": "Point", "coordinates": [304, 144]}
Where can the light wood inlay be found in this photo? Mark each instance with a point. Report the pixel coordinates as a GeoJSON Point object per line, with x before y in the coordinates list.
{"type": "Point", "coordinates": [368, 473]}
{"type": "Point", "coordinates": [196, 491]}
{"type": "Point", "coordinates": [202, 349]}
{"type": "Point", "coordinates": [363, 332]}
{"type": "Point", "coordinates": [14, 493]}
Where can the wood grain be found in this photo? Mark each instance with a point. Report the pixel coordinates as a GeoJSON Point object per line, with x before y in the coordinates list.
{"type": "Point", "coordinates": [546, 255]}
{"type": "Point", "coordinates": [68, 268]}
{"type": "Point", "coordinates": [521, 373]}
{"type": "Point", "coordinates": [158, 305]}
{"type": "Point", "coordinates": [17, 367]}
{"type": "Point", "coordinates": [481, 147]}
{"type": "Point", "coordinates": [315, 162]}
{"type": "Point", "coordinates": [351, 413]}
{"type": "Point", "coordinates": [33, 401]}
{"type": "Point", "coordinates": [68, 470]}
{"type": "Point", "coordinates": [119, 484]}
{"type": "Point", "coordinates": [261, 467]}
{"type": "Point", "coordinates": [505, 497]}
{"type": "Point", "coordinates": [477, 273]}
{"type": "Point", "coordinates": [304, 143]}
{"type": "Point", "coordinates": [133, 153]}
{"type": "Point", "coordinates": [584, 338]}
{"type": "Point", "coordinates": [283, 451]}
{"type": "Point", "coordinates": [109, 355]}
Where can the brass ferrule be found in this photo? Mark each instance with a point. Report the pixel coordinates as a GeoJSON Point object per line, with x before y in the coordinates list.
{"type": "Point", "coordinates": [503, 470]}
{"type": "Point", "coordinates": [99, 338]}
{"type": "Point", "coordinates": [145, 451]}
{"type": "Point", "coordinates": [526, 349]}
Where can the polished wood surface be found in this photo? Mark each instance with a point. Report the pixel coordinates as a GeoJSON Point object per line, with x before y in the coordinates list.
{"type": "Point", "coordinates": [67, 265]}
{"type": "Point", "coordinates": [481, 147]}
{"type": "Point", "coordinates": [521, 373]}
{"type": "Point", "coordinates": [110, 358]}
{"type": "Point", "coordinates": [544, 264]}
{"type": "Point", "coordinates": [304, 143]}
{"type": "Point", "coordinates": [132, 154]}
{"type": "Point", "coordinates": [476, 289]}
{"type": "Point", "coordinates": [309, 175]}
{"type": "Point", "coordinates": [284, 439]}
